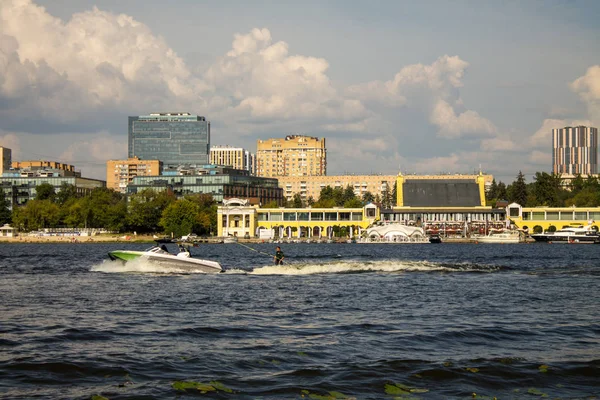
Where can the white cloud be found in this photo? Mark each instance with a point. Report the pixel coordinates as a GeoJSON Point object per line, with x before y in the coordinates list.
{"type": "Point", "coordinates": [588, 89]}
{"type": "Point", "coordinates": [95, 60]}
{"type": "Point", "coordinates": [453, 125]}
{"type": "Point", "coordinates": [433, 87]}
{"type": "Point", "coordinates": [498, 144]}
{"type": "Point", "coordinates": [542, 138]}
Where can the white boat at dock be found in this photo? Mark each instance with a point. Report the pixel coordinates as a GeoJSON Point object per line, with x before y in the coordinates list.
{"type": "Point", "coordinates": [501, 236]}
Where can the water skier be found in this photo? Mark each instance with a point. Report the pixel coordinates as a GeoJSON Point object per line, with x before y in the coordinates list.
{"type": "Point", "coordinates": [278, 256]}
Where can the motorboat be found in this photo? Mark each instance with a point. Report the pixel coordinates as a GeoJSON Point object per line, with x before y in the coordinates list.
{"type": "Point", "coordinates": [501, 236]}
{"type": "Point", "coordinates": [569, 235]}
{"type": "Point", "coordinates": [160, 256]}
{"type": "Point", "coordinates": [435, 238]}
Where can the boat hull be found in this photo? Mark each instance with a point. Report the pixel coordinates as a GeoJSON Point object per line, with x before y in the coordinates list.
{"type": "Point", "coordinates": [186, 264]}
{"type": "Point", "coordinates": [124, 255]}
{"type": "Point", "coordinates": [585, 239]}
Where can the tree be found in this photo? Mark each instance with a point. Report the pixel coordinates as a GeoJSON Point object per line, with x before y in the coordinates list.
{"type": "Point", "coordinates": [519, 190]}
{"type": "Point", "coordinates": [206, 220]}
{"type": "Point", "coordinates": [67, 192]}
{"type": "Point", "coordinates": [353, 203]}
{"type": "Point", "coordinates": [310, 201]}
{"type": "Point", "coordinates": [37, 214]}
{"type": "Point", "coordinates": [179, 217]}
{"type": "Point", "coordinates": [348, 194]}
{"type": "Point", "coordinates": [5, 214]}
{"type": "Point", "coordinates": [45, 191]}
{"type": "Point", "coordinates": [105, 208]}
{"type": "Point", "coordinates": [145, 209]}
{"type": "Point", "coordinates": [547, 189]}
{"type": "Point", "coordinates": [368, 197]}
{"type": "Point", "coordinates": [492, 193]}
{"type": "Point", "coordinates": [297, 201]}
{"type": "Point", "coordinates": [501, 191]}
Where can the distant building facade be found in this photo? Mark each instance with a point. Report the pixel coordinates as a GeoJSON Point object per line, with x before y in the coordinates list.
{"type": "Point", "coordinates": [220, 182]}
{"type": "Point", "coordinates": [235, 157]}
{"type": "Point", "coordinates": [172, 138]}
{"type": "Point", "coordinates": [41, 168]}
{"type": "Point", "coordinates": [575, 150]}
{"type": "Point", "coordinates": [311, 186]}
{"type": "Point", "coordinates": [5, 159]}
{"type": "Point", "coordinates": [119, 173]}
{"type": "Point", "coordinates": [18, 190]}
{"type": "Point", "coordinates": [295, 155]}
{"type": "Point", "coordinates": [377, 185]}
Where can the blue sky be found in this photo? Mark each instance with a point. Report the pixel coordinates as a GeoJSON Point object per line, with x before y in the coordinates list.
{"type": "Point", "coordinates": [416, 87]}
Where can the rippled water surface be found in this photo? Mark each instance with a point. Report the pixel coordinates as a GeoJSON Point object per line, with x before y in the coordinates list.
{"type": "Point", "coordinates": [363, 321]}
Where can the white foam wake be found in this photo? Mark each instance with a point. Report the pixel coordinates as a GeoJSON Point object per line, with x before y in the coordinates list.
{"type": "Point", "coordinates": [141, 266]}
{"type": "Point", "coordinates": [349, 267]}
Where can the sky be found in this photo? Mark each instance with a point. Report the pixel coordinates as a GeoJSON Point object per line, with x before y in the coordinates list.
{"type": "Point", "coordinates": [406, 87]}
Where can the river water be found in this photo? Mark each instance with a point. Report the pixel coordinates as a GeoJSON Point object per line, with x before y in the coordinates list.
{"type": "Point", "coordinates": [339, 321]}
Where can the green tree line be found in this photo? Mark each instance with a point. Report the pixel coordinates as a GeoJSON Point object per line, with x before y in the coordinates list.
{"type": "Point", "coordinates": [148, 211]}
{"type": "Point", "coordinates": [547, 190]}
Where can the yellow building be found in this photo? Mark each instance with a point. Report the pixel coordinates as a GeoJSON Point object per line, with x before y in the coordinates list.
{"type": "Point", "coordinates": [5, 159]}
{"type": "Point", "coordinates": [295, 155]}
{"type": "Point", "coordinates": [541, 219]}
{"type": "Point", "coordinates": [236, 218]}
{"type": "Point", "coordinates": [119, 173]}
{"type": "Point", "coordinates": [310, 186]}
{"type": "Point", "coordinates": [235, 157]}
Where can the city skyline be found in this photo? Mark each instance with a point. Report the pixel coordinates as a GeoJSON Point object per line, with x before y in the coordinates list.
{"type": "Point", "coordinates": [412, 88]}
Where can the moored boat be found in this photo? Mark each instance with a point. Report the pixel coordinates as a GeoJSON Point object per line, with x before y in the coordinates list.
{"type": "Point", "coordinates": [501, 236]}
{"type": "Point", "coordinates": [569, 235]}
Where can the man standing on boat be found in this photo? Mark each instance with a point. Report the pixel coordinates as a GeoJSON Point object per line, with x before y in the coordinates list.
{"type": "Point", "coordinates": [278, 256]}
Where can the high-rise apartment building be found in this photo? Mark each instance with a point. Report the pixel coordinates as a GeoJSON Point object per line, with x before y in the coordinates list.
{"type": "Point", "coordinates": [5, 159]}
{"type": "Point", "coordinates": [173, 138]}
{"type": "Point", "coordinates": [120, 173]}
{"type": "Point", "coordinates": [235, 157]}
{"type": "Point", "coordinates": [295, 155]}
{"type": "Point", "coordinates": [575, 150]}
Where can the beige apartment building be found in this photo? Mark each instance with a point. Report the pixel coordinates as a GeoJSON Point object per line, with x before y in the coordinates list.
{"type": "Point", "coordinates": [119, 173]}
{"type": "Point", "coordinates": [293, 156]}
{"type": "Point", "coordinates": [235, 157]}
{"type": "Point", "coordinates": [310, 186]}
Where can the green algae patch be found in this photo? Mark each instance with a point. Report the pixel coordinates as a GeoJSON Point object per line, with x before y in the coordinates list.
{"type": "Point", "coordinates": [399, 389]}
{"type": "Point", "coordinates": [98, 397]}
{"type": "Point", "coordinates": [184, 386]}
{"type": "Point", "coordinates": [473, 370]}
{"type": "Point", "coordinates": [333, 395]}
{"type": "Point", "coordinates": [302, 354]}
{"type": "Point", "coordinates": [543, 368]}
{"type": "Point", "coordinates": [220, 387]}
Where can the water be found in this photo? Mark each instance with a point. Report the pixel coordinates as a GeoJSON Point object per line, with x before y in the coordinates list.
{"type": "Point", "coordinates": [363, 321]}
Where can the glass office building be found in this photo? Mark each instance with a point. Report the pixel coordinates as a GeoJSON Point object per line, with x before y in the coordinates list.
{"type": "Point", "coordinates": [256, 189]}
{"type": "Point", "coordinates": [173, 138]}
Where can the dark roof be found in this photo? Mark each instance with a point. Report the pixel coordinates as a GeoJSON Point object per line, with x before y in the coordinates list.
{"type": "Point", "coordinates": [441, 193]}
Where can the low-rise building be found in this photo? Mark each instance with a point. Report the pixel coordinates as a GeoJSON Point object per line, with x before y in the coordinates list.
{"type": "Point", "coordinates": [220, 182]}
{"type": "Point", "coordinates": [541, 219]}
{"type": "Point", "coordinates": [120, 173]}
{"type": "Point", "coordinates": [236, 217]}
{"type": "Point", "coordinates": [19, 190]}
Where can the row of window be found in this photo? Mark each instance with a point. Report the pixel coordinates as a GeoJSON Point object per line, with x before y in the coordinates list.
{"type": "Point", "coordinates": [310, 216]}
